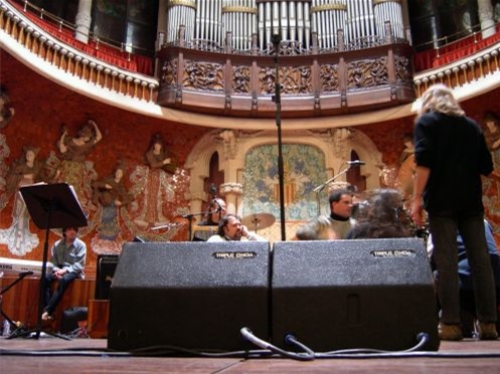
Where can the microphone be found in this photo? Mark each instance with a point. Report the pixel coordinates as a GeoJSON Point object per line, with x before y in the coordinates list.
{"type": "Point", "coordinates": [355, 163]}
{"type": "Point", "coordinates": [213, 190]}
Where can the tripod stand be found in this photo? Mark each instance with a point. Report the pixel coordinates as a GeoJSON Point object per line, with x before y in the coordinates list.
{"type": "Point", "coordinates": [51, 206]}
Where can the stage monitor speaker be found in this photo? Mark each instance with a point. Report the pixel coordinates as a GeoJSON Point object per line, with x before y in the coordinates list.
{"type": "Point", "coordinates": [193, 295]}
{"type": "Point", "coordinates": [331, 295]}
{"type": "Point", "coordinates": [106, 266]}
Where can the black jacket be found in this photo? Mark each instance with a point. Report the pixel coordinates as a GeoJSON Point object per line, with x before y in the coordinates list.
{"type": "Point", "coordinates": [455, 150]}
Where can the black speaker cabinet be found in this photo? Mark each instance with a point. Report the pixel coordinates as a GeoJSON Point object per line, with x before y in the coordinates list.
{"type": "Point", "coordinates": [105, 270]}
{"type": "Point", "coordinates": [193, 295]}
{"type": "Point", "coordinates": [376, 293]}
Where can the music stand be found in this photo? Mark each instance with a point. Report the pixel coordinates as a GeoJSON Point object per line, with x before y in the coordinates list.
{"type": "Point", "coordinates": [51, 206]}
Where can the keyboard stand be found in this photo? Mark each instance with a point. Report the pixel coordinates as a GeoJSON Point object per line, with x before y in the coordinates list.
{"type": "Point", "coordinates": [4, 315]}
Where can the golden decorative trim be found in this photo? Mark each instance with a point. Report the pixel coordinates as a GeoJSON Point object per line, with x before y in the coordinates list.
{"type": "Point", "coordinates": [188, 3]}
{"type": "Point", "coordinates": [377, 2]}
{"type": "Point", "coordinates": [323, 7]}
{"type": "Point", "coordinates": [240, 9]}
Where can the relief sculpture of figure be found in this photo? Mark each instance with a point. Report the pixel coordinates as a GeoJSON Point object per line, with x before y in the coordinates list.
{"type": "Point", "coordinates": [491, 186]}
{"type": "Point", "coordinates": [492, 135]}
{"type": "Point", "coordinates": [25, 171]}
{"type": "Point", "coordinates": [74, 169]}
{"type": "Point", "coordinates": [6, 110]}
{"type": "Point", "coordinates": [6, 114]}
{"type": "Point", "coordinates": [110, 194]}
{"type": "Point", "coordinates": [407, 166]}
{"type": "Point", "coordinates": [152, 186]}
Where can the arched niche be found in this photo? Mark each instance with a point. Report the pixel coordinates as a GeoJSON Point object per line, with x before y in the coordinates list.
{"type": "Point", "coordinates": [233, 147]}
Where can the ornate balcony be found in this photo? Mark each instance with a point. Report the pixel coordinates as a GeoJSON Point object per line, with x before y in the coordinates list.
{"type": "Point", "coordinates": [353, 78]}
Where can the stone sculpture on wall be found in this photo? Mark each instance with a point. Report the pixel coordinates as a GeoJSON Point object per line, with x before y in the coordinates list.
{"type": "Point", "coordinates": [157, 188]}
{"type": "Point", "coordinates": [491, 185]}
{"type": "Point", "coordinates": [23, 172]}
{"type": "Point", "coordinates": [110, 195]}
{"type": "Point", "coordinates": [74, 168]}
{"type": "Point", "coordinates": [6, 109]}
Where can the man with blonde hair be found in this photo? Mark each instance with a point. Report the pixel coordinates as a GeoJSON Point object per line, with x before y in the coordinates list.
{"type": "Point", "coordinates": [451, 155]}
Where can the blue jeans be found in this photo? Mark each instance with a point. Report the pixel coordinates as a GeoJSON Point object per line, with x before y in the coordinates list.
{"type": "Point", "coordinates": [51, 301]}
{"type": "Point", "coordinates": [444, 227]}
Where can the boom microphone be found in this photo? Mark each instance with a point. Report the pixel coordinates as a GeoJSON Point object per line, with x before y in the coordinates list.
{"type": "Point", "coordinates": [355, 163]}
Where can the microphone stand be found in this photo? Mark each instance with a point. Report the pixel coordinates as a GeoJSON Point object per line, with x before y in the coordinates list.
{"type": "Point", "coordinates": [322, 186]}
{"type": "Point", "coordinates": [190, 217]}
{"type": "Point", "coordinates": [276, 39]}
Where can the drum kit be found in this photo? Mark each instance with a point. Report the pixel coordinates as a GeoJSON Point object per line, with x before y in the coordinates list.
{"type": "Point", "coordinates": [258, 221]}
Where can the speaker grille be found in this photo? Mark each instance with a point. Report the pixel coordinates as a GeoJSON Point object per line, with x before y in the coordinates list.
{"type": "Point", "coordinates": [375, 293]}
{"type": "Point", "coordinates": [192, 295]}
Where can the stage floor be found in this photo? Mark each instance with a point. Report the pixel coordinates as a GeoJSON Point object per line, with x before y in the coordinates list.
{"type": "Point", "coordinates": [85, 355]}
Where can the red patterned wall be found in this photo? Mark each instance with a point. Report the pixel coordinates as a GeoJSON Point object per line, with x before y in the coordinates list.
{"type": "Point", "coordinates": [42, 108]}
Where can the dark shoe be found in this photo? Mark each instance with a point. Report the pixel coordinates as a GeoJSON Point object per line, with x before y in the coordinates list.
{"type": "Point", "coordinates": [450, 332]}
{"type": "Point", "coordinates": [486, 331]}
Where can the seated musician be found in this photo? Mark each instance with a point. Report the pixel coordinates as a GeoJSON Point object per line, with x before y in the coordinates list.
{"type": "Point", "coordinates": [68, 260]}
{"type": "Point", "coordinates": [216, 210]}
{"type": "Point", "coordinates": [231, 229]}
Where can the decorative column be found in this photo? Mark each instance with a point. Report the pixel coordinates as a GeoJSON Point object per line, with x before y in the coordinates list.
{"type": "Point", "coordinates": [231, 193]}
{"type": "Point", "coordinates": [196, 199]}
{"type": "Point", "coordinates": [485, 11]}
{"type": "Point", "coordinates": [82, 20]}
{"type": "Point", "coordinates": [406, 21]}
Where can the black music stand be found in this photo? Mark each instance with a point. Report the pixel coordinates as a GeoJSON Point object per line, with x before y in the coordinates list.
{"type": "Point", "coordinates": [51, 206]}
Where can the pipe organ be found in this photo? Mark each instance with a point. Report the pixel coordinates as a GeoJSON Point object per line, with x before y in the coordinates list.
{"type": "Point", "coordinates": [328, 16]}
{"type": "Point", "coordinates": [181, 13]}
{"type": "Point", "coordinates": [360, 22]}
{"type": "Point", "coordinates": [240, 19]}
{"type": "Point", "coordinates": [295, 21]}
{"type": "Point", "coordinates": [218, 56]}
{"type": "Point", "coordinates": [289, 19]}
{"type": "Point", "coordinates": [208, 24]}
{"type": "Point", "coordinates": [389, 11]}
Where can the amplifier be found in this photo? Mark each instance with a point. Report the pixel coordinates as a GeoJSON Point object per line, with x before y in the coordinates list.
{"type": "Point", "coordinates": [106, 266]}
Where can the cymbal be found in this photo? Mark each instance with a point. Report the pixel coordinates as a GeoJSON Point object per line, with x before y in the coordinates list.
{"type": "Point", "coordinates": [258, 221]}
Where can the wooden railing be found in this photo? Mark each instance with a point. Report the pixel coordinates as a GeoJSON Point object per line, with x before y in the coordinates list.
{"type": "Point", "coordinates": [76, 63]}
{"type": "Point", "coordinates": [471, 69]}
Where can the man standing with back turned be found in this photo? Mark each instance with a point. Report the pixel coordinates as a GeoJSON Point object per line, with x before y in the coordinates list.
{"type": "Point", "coordinates": [451, 155]}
